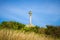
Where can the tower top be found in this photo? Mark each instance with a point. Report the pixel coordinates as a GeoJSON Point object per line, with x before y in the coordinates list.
{"type": "Point", "coordinates": [30, 13]}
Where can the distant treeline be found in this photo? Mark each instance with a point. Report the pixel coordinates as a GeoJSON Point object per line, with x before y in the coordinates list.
{"type": "Point", "coordinates": [49, 30]}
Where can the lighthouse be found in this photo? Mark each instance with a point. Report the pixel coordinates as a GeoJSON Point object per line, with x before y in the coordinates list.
{"type": "Point", "coordinates": [30, 18]}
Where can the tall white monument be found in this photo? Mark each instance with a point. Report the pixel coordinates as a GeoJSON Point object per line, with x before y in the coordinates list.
{"type": "Point", "coordinates": [30, 18]}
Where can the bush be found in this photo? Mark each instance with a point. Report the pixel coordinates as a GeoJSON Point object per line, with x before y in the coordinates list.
{"type": "Point", "coordinates": [12, 25]}
{"type": "Point", "coordinates": [31, 29]}
{"type": "Point", "coordinates": [53, 30]}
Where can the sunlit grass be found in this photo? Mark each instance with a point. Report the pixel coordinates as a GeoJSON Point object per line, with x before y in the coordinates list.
{"type": "Point", "coordinates": [6, 34]}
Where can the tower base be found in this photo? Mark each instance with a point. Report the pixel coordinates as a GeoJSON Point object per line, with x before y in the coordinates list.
{"type": "Point", "coordinates": [29, 25]}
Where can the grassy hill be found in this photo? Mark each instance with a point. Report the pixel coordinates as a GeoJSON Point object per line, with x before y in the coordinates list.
{"type": "Point", "coordinates": [6, 34]}
{"type": "Point", "coordinates": [17, 31]}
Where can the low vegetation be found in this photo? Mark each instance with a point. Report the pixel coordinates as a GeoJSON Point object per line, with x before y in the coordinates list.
{"type": "Point", "coordinates": [17, 31]}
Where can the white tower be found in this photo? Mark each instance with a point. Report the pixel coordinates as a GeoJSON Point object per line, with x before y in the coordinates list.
{"type": "Point", "coordinates": [30, 20]}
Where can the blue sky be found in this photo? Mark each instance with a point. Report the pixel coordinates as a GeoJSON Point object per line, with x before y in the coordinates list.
{"type": "Point", "coordinates": [44, 12]}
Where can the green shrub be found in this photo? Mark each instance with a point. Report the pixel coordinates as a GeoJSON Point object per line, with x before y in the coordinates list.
{"type": "Point", "coordinates": [12, 25]}
{"type": "Point", "coordinates": [53, 30]}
